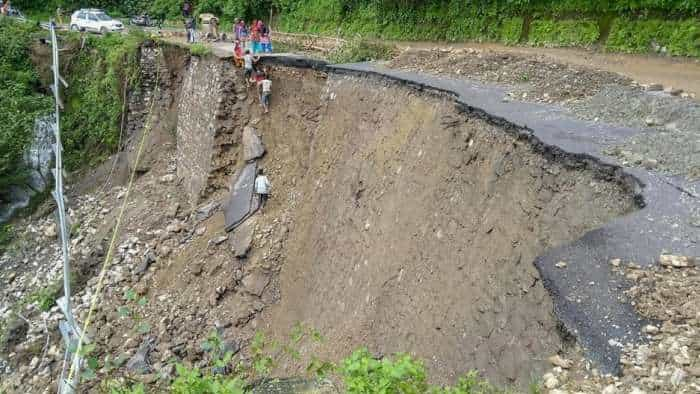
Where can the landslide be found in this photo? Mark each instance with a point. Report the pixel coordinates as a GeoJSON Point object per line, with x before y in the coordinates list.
{"type": "Point", "coordinates": [397, 221]}
{"type": "Point", "coordinates": [414, 227]}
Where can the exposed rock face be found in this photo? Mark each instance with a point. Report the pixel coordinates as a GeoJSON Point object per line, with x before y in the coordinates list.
{"type": "Point", "coordinates": [252, 144]}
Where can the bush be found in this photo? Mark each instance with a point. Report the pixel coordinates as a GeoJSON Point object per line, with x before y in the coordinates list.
{"type": "Point", "coordinates": [364, 374]}
{"type": "Point", "coordinates": [678, 37]}
{"type": "Point", "coordinates": [510, 30]}
{"type": "Point", "coordinates": [199, 50]}
{"type": "Point", "coordinates": [547, 32]}
{"type": "Point", "coordinates": [360, 50]}
{"type": "Point", "coordinates": [95, 96]}
{"type": "Point", "coordinates": [191, 381]}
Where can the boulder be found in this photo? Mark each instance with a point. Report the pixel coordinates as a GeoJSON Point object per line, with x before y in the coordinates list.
{"type": "Point", "coordinates": [252, 144]}
{"type": "Point", "coordinates": [243, 237]}
{"type": "Point", "coordinates": [256, 282]}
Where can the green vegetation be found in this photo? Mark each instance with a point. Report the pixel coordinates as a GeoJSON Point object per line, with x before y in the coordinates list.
{"type": "Point", "coordinates": [546, 32]}
{"type": "Point", "coordinates": [97, 78]}
{"type": "Point", "coordinates": [45, 298]}
{"type": "Point", "coordinates": [359, 50]}
{"type": "Point", "coordinates": [360, 373]}
{"type": "Point", "coordinates": [638, 35]}
{"type": "Point", "coordinates": [639, 24]}
{"type": "Point", "coordinates": [199, 50]}
{"type": "Point", "coordinates": [21, 101]}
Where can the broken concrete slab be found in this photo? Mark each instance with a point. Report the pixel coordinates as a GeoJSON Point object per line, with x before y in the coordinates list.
{"type": "Point", "coordinates": [243, 238]}
{"type": "Point", "coordinates": [238, 207]}
{"type": "Point", "coordinates": [253, 147]}
{"type": "Point", "coordinates": [256, 282]}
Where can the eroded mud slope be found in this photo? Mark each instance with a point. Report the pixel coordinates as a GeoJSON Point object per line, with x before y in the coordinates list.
{"type": "Point", "coordinates": [418, 227]}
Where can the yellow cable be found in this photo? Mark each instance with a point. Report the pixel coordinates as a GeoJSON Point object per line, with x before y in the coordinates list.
{"type": "Point", "coordinates": [115, 234]}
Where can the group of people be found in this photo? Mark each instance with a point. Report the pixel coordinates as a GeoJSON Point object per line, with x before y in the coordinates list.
{"type": "Point", "coordinates": [254, 37]}
{"type": "Point", "coordinates": [257, 76]}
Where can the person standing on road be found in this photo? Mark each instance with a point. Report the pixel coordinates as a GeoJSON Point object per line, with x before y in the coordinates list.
{"type": "Point", "coordinates": [237, 53]}
{"type": "Point", "coordinates": [262, 187]}
{"type": "Point", "coordinates": [266, 87]}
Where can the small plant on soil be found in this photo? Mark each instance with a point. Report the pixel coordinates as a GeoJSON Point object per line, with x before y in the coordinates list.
{"type": "Point", "coordinates": [199, 50]}
{"type": "Point", "coordinates": [140, 325]}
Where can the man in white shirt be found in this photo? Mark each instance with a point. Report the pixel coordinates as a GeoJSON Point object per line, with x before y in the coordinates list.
{"type": "Point", "coordinates": [262, 187]}
{"type": "Point", "coordinates": [248, 61]}
{"type": "Point", "coordinates": [266, 86]}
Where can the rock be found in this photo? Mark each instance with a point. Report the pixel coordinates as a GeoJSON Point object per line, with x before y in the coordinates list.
{"type": "Point", "coordinates": [138, 363]}
{"type": "Point", "coordinates": [669, 260]}
{"type": "Point", "coordinates": [673, 91]}
{"type": "Point", "coordinates": [243, 237]}
{"type": "Point", "coordinates": [148, 258]}
{"type": "Point", "coordinates": [256, 282]}
{"type": "Point", "coordinates": [550, 381]}
{"type": "Point", "coordinates": [169, 178]}
{"type": "Point", "coordinates": [253, 147]}
{"type": "Point", "coordinates": [561, 264]}
{"type": "Point", "coordinates": [650, 329]}
{"type": "Point", "coordinates": [610, 389]}
{"type": "Point", "coordinates": [637, 390]}
{"type": "Point", "coordinates": [172, 211]}
{"type": "Point", "coordinates": [615, 262]}
{"type": "Point", "coordinates": [557, 391]}
{"type": "Point", "coordinates": [50, 231]}
{"type": "Point", "coordinates": [293, 385]}
{"type": "Point", "coordinates": [559, 361]}
{"type": "Point", "coordinates": [175, 227]}
{"type": "Point", "coordinates": [200, 231]}
{"type": "Point", "coordinates": [653, 87]}
{"type": "Point", "coordinates": [219, 240]}
{"type": "Point", "coordinates": [677, 376]}
{"type": "Point", "coordinates": [650, 164]}
{"type": "Point", "coordinates": [205, 211]}
{"type": "Point", "coordinates": [15, 333]}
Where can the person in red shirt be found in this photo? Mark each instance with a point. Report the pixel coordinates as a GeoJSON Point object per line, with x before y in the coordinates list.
{"type": "Point", "coordinates": [237, 53]}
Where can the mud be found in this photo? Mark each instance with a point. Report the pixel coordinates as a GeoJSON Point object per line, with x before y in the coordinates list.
{"type": "Point", "coordinates": [418, 232]}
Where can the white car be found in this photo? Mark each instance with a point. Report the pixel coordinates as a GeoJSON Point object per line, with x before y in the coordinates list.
{"type": "Point", "coordinates": [95, 20]}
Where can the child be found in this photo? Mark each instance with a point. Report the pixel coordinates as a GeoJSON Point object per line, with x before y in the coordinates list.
{"type": "Point", "coordinates": [265, 43]}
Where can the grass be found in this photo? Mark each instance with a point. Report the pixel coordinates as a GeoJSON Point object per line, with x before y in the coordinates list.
{"type": "Point", "coordinates": [198, 49]}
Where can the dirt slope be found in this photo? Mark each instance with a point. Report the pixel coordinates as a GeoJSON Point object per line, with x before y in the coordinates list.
{"type": "Point", "coordinates": [417, 230]}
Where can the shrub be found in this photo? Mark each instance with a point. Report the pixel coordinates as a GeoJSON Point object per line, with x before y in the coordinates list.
{"type": "Point", "coordinates": [199, 50]}
{"type": "Point", "coordinates": [678, 37]}
{"type": "Point", "coordinates": [94, 99]}
{"type": "Point", "coordinates": [360, 50]}
{"type": "Point", "coordinates": [191, 381]}
{"type": "Point", "coordinates": [510, 30]}
{"type": "Point", "coordinates": [362, 373]}
{"type": "Point", "coordinates": [547, 32]}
